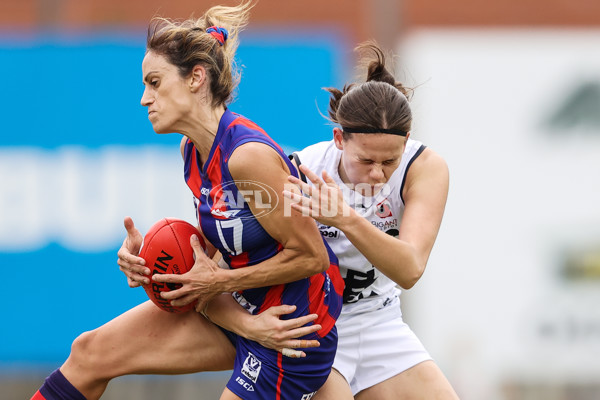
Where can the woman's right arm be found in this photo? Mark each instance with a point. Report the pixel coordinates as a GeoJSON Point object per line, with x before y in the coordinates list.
{"type": "Point", "coordinates": [265, 328]}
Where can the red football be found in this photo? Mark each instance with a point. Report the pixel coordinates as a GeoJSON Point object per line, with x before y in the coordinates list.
{"type": "Point", "coordinates": [167, 250]}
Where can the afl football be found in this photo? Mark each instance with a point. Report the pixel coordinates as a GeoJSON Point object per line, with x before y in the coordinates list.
{"type": "Point", "coordinates": [167, 250]}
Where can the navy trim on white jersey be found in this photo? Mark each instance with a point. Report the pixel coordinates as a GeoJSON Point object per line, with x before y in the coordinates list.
{"type": "Point", "coordinates": [417, 154]}
{"type": "Point", "coordinates": [294, 156]}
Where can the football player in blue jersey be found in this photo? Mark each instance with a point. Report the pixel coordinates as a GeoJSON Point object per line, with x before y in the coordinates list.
{"type": "Point", "coordinates": [270, 258]}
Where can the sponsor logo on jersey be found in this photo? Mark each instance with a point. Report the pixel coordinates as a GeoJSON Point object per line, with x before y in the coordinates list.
{"type": "Point", "coordinates": [244, 384]}
{"type": "Point", "coordinates": [384, 209]}
{"type": "Point", "coordinates": [385, 225]}
{"type": "Point", "coordinates": [251, 367]}
{"type": "Point", "coordinates": [224, 213]}
{"type": "Point", "coordinates": [329, 231]}
{"type": "Point", "coordinates": [243, 302]}
{"type": "Point", "coordinates": [308, 396]}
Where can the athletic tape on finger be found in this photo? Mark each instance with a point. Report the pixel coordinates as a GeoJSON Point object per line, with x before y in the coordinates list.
{"type": "Point", "coordinates": [291, 353]}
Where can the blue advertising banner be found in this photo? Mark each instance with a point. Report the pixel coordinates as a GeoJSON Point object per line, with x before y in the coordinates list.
{"type": "Point", "coordinates": [77, 154]}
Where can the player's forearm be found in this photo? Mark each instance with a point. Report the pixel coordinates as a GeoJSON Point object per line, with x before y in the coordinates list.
{"type": "Point", "coordinates": [287, 266]}
{"type": "Point", "coordinates": [224, 311]}
{"type": "Point", "coordinates": [396, 259]}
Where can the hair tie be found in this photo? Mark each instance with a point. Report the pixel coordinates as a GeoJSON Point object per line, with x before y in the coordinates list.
{"type": "Point", "coordinates": [218, 33]}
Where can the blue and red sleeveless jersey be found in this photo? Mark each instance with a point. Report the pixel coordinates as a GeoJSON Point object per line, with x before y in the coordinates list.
{"type": "Point", "coordinates": [229, 224]}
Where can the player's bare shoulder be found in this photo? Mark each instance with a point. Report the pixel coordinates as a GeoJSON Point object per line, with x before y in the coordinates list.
{"type": "Point", "coordinates": [253, 157]}
{"type": "Point", "coordinates": [428, 168]}
{"type": "Point", "coordinates": [429, 160]}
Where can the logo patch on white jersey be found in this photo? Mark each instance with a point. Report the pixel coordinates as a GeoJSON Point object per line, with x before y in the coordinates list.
{"type": "Point", "coordinates": [251, 367]}
{"type": "Point", "coordinates": [329, 231]}
{"type": "Point", "coordinates": [384, 209]}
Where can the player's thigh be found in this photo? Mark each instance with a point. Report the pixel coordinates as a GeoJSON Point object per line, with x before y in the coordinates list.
{"type": "Point", "coordinates": [229, 395]}
{"type": "Point", "coordinates": [335, 388]}
{"type": "Point", "coordinates": [147, 340]}
{"type": "Point", "coordinates": [424, 381]}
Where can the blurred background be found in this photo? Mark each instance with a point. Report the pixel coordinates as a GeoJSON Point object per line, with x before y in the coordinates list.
{"type": "Point", "coordinates": [508, 92]}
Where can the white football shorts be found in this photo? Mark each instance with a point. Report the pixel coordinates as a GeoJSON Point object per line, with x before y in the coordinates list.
{"type": "Point", "coordinates": [376, 345]}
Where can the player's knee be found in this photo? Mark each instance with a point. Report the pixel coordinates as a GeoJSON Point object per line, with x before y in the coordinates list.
{"type": "Point", "coordinates": [86, 366]}
{"type": "Point", "coordinates": [85, 349]}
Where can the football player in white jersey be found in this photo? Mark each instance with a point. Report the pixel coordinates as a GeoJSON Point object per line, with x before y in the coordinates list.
{"type": "Point", "coordinates": [378, 198]}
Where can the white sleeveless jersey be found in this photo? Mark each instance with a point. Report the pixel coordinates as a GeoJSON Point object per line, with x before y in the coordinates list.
{"type": "Point", "coordinates": [366, 288]}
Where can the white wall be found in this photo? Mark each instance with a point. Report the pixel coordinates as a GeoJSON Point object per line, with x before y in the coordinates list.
{"type": "Point", "coordinates": [493, 307]}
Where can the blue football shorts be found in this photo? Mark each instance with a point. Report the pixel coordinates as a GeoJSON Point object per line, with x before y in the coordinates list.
{"type": "Point", "coordinates": [265, 374]}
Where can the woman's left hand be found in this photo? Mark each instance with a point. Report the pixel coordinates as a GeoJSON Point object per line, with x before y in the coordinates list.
{"type": "Point", "coordinates": [325, 201]}
{"type": "Point", "coordinates": [282, 335]}
{"type": "Point", "coordinates": [199, 283]}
